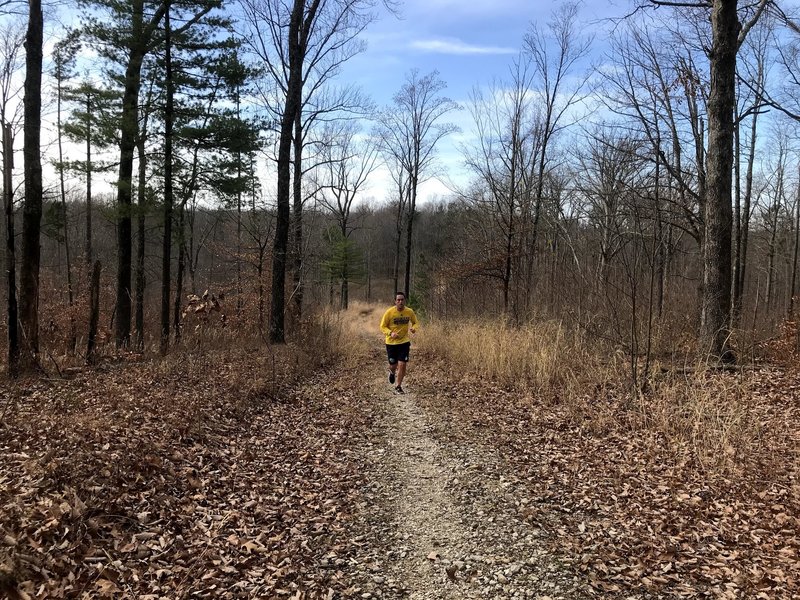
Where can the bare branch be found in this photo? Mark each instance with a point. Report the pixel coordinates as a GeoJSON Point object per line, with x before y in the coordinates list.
{"type": "Point", "coordinates": [658, 3]}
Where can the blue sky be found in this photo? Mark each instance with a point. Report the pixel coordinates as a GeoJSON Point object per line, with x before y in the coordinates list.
{"type": "Point", "coordinates": [468, 43]}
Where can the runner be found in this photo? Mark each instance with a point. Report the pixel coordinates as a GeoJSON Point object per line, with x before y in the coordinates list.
{"type": "Point", "coordinates": [397, 322]}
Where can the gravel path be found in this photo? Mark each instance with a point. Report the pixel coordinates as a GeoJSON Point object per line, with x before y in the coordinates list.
{"type": "Point", "coordinates": [442, 518]}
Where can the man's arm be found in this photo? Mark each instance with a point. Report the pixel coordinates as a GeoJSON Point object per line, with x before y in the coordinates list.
{"type": "Point", "coordinates": [385, 323]}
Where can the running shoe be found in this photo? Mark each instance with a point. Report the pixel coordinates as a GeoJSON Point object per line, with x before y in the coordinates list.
{"type": "Point", "coordinates": [391, 376]}
{"type": "Point", "coordinates": [399, 390]}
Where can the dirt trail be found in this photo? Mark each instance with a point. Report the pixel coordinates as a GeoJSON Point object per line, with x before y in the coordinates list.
{"type": "Point", "coordinates": [443, 518]}
{"type": "Point", "coordinates": [426, 519]}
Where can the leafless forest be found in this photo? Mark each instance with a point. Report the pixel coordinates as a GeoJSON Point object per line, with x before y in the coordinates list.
{"type": "Point", "coordinates": [593, 195]}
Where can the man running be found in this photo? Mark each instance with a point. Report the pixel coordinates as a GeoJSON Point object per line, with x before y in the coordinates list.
{"type": "Point", "coordinates": [396, 324]}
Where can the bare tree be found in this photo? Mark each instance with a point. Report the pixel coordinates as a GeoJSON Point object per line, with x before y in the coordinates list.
{"type": "Point", "coordinates": [560, 92]}
{"type": "Point", "coordinates": [11, 38]}
{"type": "Point", "coordinates": [400, 195]}
{"type": "Point", "coordinates": [610, 166]}
{"type": "Point", "coordinates": [773, 210]}
{"type": "Point", "coordinates": [169, 120]}
{"type": "Point", "coordinates": [301, 44]}
{"type": "Point", "coordinates": [727, 35]}
{"type": "Point", "coordinates": [64, 59]}
{"type": "Point", "coordinates": [343, 176]}
{"type": "Point", "coordinates": [503, 159]}
{"type": "Point", "coordinates": [752, 89]}
{"type": "Point", "coordinates": [409, 131]}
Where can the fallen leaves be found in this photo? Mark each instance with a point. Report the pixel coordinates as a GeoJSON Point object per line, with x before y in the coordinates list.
{"type": "Point", "coordinates": [631, 514]}
{"type": "Point", "coordinates": [177, 479]}
{"type": "Point", "coordinates": [202, 478]}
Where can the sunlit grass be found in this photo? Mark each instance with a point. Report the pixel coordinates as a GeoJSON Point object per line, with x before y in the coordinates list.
{"type": "Point", "coordinates": [543, 356]}
{"type": "Point", "coordinates": [706, 414]}
{"type": "Point", "coordinates": [343, 336]}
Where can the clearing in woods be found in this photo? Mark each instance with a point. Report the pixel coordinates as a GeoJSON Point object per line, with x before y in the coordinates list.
{"type": "Point", "coordinates": [198, 477]}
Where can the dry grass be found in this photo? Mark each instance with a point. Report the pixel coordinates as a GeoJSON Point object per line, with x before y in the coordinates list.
{"type": "Point", "coordinates": [544, 357]}
{"type": "Point", "coordinates": [707, 416]}
{"type": "Point", "coordinates": [342, 335]}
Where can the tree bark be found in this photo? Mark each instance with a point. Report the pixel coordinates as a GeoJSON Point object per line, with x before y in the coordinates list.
{"type": "Point", "coordinates": [176, 312]}
{"type": "Point", "coordinates": [166, 256]}
{"type": "Point", "coordinates": [412, 209]}
{"type": "Point", "coordinates": [11, 261]}
{"type": "Point", "coordinates": [297, 217]}
{"type": "Point", "coordinates": [716, 302]}
{"type": "Point", "coordinates": [140, 247]}
{"type": "Point", "coordinates": [70, 292]}
{"type": "Point", "coordinates": [299, 29]}
{"type": "Point", "coordinates": [94, 313]}
{"type": "Point", "coordinates": [88, 241]}
{"type": "Point", "coordinates": [128, 132]}
{"type": "Point", "coordinates": [795, 253]}
{"type": "Point", "coordinates": [32, 210]}
{"type": "Point", "coordinates": [743, 223]}
{"type": "Point", "coordinates": [141, 34]}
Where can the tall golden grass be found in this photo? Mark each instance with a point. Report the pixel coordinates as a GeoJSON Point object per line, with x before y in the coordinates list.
{"type": "Point", "coordinates": [541, 356]}
{"type": "Point", "coordinates": [343, 335]}
{"type": "Point", "coordinates": [702, 412]}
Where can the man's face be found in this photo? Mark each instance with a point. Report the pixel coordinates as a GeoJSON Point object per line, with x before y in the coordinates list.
{"type": "Point", "coordinates": [400, 301]}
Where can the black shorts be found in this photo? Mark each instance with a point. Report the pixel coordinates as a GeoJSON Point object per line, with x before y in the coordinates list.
{"type": "Point", "coordinates": [398, 352]}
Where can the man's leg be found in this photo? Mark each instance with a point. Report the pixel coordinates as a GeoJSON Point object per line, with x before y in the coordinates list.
{"type": "Point", "coordinates": [392, 371]}
{"type": "Point", "coordinates": [401, 372]}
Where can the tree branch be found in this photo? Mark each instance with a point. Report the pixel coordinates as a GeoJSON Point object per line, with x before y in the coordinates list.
{"type": "Point", "coordinates": [698, 4]}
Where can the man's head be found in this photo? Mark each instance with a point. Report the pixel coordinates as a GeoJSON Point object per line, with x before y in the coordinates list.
{"type": "Point", "coordinates": [400, 300]}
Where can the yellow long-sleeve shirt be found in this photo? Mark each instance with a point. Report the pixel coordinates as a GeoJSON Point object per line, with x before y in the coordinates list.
{"type": "Point", "coordinates": [399, 322]}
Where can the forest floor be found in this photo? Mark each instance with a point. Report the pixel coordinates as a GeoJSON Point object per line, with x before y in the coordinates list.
{"type": "Point", "coordinates": [196, 478]}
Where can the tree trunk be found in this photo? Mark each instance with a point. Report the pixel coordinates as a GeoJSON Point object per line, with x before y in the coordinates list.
{"type": "Point", "coordinates": [397, 243]}
{"type": "Point", "coordinates": [129, 126]}
{"type": "Point", "coordinates": [345, 291]}
{"type": "Point", "coordinates": [70, 294]}
{"type": "Point", "coordinates": [88, 241]}
{"type": "Point", "coordinates": [412, 208]}
{"type": "Point", "coordinates": [297, 217]}
{"type": "Point", "coordinates": [293, 98]}
{"type": "Point", "coordinates": [737, 221]}
{"type": "Point", "coordinates": [94, 313]}
{"type": "Point", "coordinates": [11, 262]}
{"type": "Point", "coordinates": [141, 211]}
{"type": "Point", "coordinates": [260, 291]}
{"type": "Point", "coordinates": [793, 285]}
{"type": "Point", "coordinates": [715, 323]}
{"type": "Point", "coordinates": [166, 256]}
{"type": "Point", "coordinates": [176, 313]}
{"type": "Point", "coordinates": [743, 225]}
{"type": "Point", "coordinates": [238, 241]}
{"type": "Point", "coordinates": [773, 236]}
{"type": "Point", "coordinates": [32, 210]}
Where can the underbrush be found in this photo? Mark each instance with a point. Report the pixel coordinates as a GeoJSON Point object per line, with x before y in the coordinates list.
{"type": "Point", "coordinates": [713, 419]}
{"type": "Point", "coordinates": [343, 335]}
{"type": "Point", "coordinates": [544, 357]}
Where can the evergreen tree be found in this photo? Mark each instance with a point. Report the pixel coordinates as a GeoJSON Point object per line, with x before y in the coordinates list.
{"type": "Point", "coordinates": [125, 33]}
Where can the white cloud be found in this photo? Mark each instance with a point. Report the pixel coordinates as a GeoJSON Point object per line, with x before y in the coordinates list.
{"type": "Point", "coordinates": [459, 8]}
{"type": "Point", "coordinates": [450, 46]}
